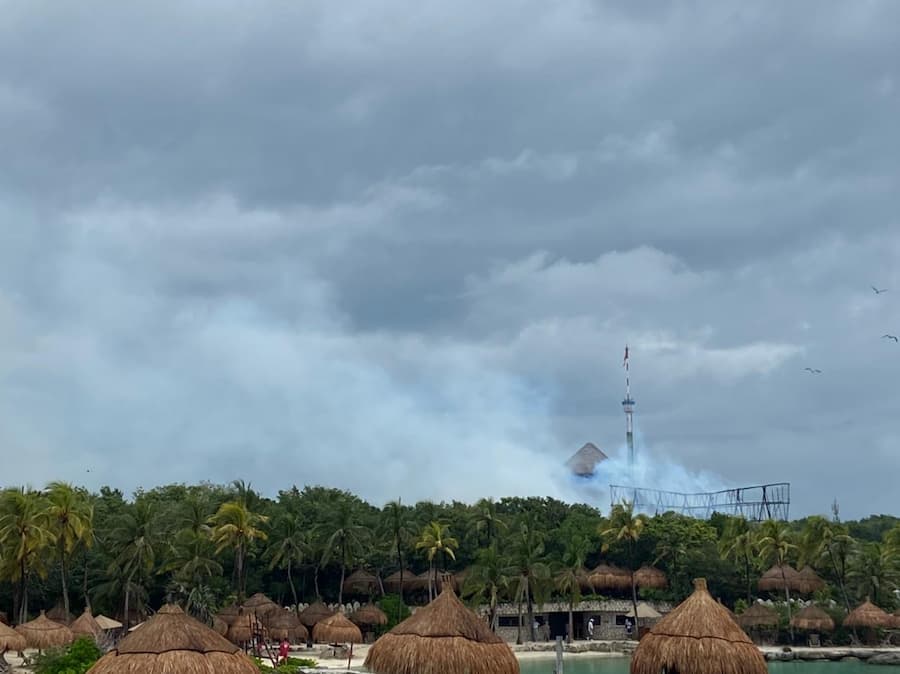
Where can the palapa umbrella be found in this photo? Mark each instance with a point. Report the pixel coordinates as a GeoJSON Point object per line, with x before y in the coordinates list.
{"type": "Point", "coordinates": [583, 576]}
{"type": "Point", "coordinates": [171, 641]}
{"type": "Point", "coordinates": [286, 625]}
{"type": "Point", "coordinates": [246, 626]}
{"type": "Point", "coordinates": [219, 626]}
{"type": "Point", "coordinates": [808, 581]}
{"type": "Point", "coordinates": [107, 624]}
{"type": "Point", "coordinates": [758, 615]}
{"type": "Point", "coordinates": [644, 611]}
{"type": "Point", "coordinates": [698, 637]}
{"type": "Point", "coordinates": [86, 626]}
{"type": "Point", "coordinates": [229, 613]}
{"type": "Point", "coordinates": [260, 605]}
{"type": "Point", "coordinates": [776, 578]}
{"type": "Point", "coordinates": [444, 637]}
{"type": "Point", "coordinates": [336, 629]}
{"type": "Point", "coordinates": [651, 578]}
{"type": "Point", "coordinates": [58, 615]}
{"type": "Point", "coordinates": [609, 577]}
{"type": "Point", "coordinates": [868, 615]}
{"type": "Point", "coordinates": [812, 619]}
{"type": "Point", "coordinates": [43, 633]}
{"type": "Point", "coordinates": [10, 640]}
{"type": "Point", "coordinates": [314, 613]}
{"type": "Point", "coordinates": [369, 616]}
{"type": "Point", "coordinates": [392, 582]}
{"type": "Point", "coordinates": [360, 582]}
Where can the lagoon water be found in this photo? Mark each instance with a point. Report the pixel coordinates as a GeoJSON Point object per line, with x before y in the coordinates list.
{"type": "Point", "coordinates": [607, 665]}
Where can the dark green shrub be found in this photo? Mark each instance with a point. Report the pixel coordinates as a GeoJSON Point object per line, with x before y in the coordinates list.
{"type": "Point", "coordinates": [76, 659]}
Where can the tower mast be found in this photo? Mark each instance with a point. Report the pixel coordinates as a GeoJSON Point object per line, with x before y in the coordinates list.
{"type": "Point", "coordinates": [628, 406]}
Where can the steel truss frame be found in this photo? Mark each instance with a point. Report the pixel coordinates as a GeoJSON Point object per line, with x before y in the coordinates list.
{"type": "Point", "coordinates": [756, 503]}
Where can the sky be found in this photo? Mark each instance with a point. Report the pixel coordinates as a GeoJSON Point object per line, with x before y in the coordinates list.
{"type": "Point", "coordinates": [399, 247]}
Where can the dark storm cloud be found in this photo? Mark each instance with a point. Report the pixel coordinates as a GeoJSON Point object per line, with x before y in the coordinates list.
{"type": "Point", "coordinates": [237, 241]}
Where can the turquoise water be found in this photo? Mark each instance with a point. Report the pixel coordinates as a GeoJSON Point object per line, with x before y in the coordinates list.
{"type": "Point", "coordinates": [587, 665]}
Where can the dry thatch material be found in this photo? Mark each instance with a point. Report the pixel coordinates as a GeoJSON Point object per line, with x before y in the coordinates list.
{"type": "Point", "coordinates": [808, 581]}
{"type": "Point", "coordinates": [644, 612]}
{"type": "Point", "coordinates": [86, 626]}
{"type": "Point", "coordinates": [244, 628]}
{"type": "Point", "coordinates": [43, 633]}
{"type": "Point", "coordinates": [58, 615]}
{"type": "Point", "coordinates": [608, 577]}
{"type": "Point", "coordinates": [360, 582]}
{"type": "Point", "coordinates": [369, 615]}
{"type": "Point", "coordinates": [697, 637]}
{"type": "Point", "coordinates": [442, 638]}
{"type": "Point", "coordinates": [106, 623]}
{"type": "Point", "coordinates": [229, 613]}
{"type": "Point", "coordinates": [260, 605]}
{"type": "Point", "coordinates": [171, 641]}
{"type": "Point", "coordinates": [219, 626]}
{"type": "Point", "coordinates": [392, 582]}
{"type": "Point", "coordinates": [774, 580]}
{"type": "Point", "coordinates": [583, 463]}
{"type": "Point", "coordinates": [286, 625]}
{"type": "Point", "coordinates": [758, 615]}
{"type": "Point", "coordinates": [336, 629]}
{"type": "Point", "coordinates": [868, 615]}
{"type": "Point", "coordinates": [10, 640]}
{"type": "Point", "coordinates": [812, 619]}
{"type": "Point", "coordinates": [584, 582]}
{"type": "Point", "coordinates": [650, 577]}
{"type": "Point", "coordinates": [314, 613]}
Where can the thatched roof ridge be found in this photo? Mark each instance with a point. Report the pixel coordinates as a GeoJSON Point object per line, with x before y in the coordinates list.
{"type": "Point", "coordinates": [650, 577]}
{"type": "Point", "coordinates": [369, 615]}
{"type": "Point", "coordinates": [43, 633]}
{"type": "Point", "coordinates": [813, 618]}
{"type": "Point", "coordinates": [260, 604]}
{"type": "Point", "coordinates": [773, 579]}
{"type": "Point", "coordinates": [868, 615]}
{"type": "Point", "coordinates": [610, 577]}
{"type": "Point", "coordinates": [444, 637]}
{"type": "Point", "coordinates": [11, 640]}
{"type": "Point", "coordinates": [107, 623]}
{"type": "Point", "coordinates": [336, 629]}
{"type": "Point", "coordinates": [314, 613]}
{"type": "Point", "coordinates": [85, 625]}
{"type": "Point", "coordinates": [808, 581]}
{"type": "Point", "coordinates": [758, 615]}
{"type": "Point", "coordinates": [697, 636]}
{"type": "Point", "coordinates": [584, 462]}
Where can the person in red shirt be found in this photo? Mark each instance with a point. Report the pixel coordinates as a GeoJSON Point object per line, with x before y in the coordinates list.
{"type": "Point", "coordinates": [283, 651]}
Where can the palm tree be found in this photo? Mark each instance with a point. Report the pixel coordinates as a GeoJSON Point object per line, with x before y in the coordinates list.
{"type": "Point", "coordinates": [568, 579]}
{"type": "Point", "coordinates": [532, 569]}
{"type": "Point", "coordinates": [875, 570]}
{"type": "Point", "coordinates": [488, 578]}
{"type": "Point", "coordinates": [625, 526]}
{"type": "Point", "coordinates": [135, 541]}
{"type": "Point", "coordinates": [486, 520]}
{"type": "Point", "coordinates": [25, 534]}
{"type": "Point", "coordinates": [436, 539]}
{"type": "Point", "coordinates": [739, 545]}
{"type": "Point", "coordinates": [346, 540]}
{"type": "Point", "coordinates": [774, 546]}
{"type": "Point", "coordinates": [71, 520]}
{"type": "Point", "coordinates": [289, 547]}
{"type": "Point", "coordinates": [398, 525]}
{"type": "Point", "coordinates": [828, 541]}
{"type": "Point", "coordinates": [235, 526]}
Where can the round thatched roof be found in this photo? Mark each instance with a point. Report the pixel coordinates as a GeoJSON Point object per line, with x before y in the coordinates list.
{"type": "Point", "coordinates": [583, 576]}
{"type": "Point", "coordinates": [260, 604]}
{"type": "Point", "coordinates": [868, 615]}
{"type": "Point", "coordinates": [650, 577]}
{"type": "Point", "coordinates": [392, 582]}
{"type": "Point", "coordinates": [699, 637]}
{"type": "Point", "coordinates": [286, 625]}
{"type": "Point", "coordinates": [369, 615]}
{"type": "Point", "coordinates": [609, 577]}
{"type": "Point", "coordinates": [243, 628]}
{"type": "Point", "coordinates": [86, 626]}
{"type": "Point", "coordinates": [106, 623]}
{"type": "Point", "coordinates": [773, 579]}
{"type": "Point", "coordinates": [229, 613]}
{"type": "Point", "coordinates": [11, 640]}
{"type": "Point", "coordinates": [813, 619]}
{"type": "Point", "coordinates": [360, 582]}
{"type": "Point", "coordinates": [808, 581]}
{"type": "Point", "coordinates": [219, 626]}
{"type": "Point", "coordinates": [444, 637]}
{"type": "Point", "coordinates": [171, 641]}
{"type": "Point", "coordinates": [336, 629]}
{"type": "Point", "coordinates": [758, 615]}
{"type": "Point", "coordinates": [43, 633]}
{"type": "Point", "coordinates": [314, 613]}
{"type": "Point", "coordinates": [58, 615]}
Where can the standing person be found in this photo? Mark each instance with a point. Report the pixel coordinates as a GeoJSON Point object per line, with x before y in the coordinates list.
{"type": "Point", "coordinates": [629, 627]}
{"type": "Point", "coordinates": [591, 628]}
{"type": "Point", "coordinates": [283, 651]}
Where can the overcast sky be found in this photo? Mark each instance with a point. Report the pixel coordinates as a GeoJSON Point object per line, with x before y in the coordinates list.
{"type": "Point", "coordinates": [398, 247]}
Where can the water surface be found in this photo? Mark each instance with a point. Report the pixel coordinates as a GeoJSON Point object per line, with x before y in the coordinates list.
{"type": "Point", "coordinates": [613, 665]}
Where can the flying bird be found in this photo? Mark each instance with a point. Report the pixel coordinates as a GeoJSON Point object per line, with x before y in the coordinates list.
{"type": "Point", "coordinates": [894, 337]}
{"type": "Point", "coordinates": [813, 370]}
{"type": "Point", "coordinates": [878, 291]}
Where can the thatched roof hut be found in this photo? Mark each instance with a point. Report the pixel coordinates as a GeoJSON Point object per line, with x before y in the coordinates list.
{"type": "Point", "coordinates": [336, 629]}
{"type": "Point", "coordinates": [812, 619]}
{"type": "Point", "coordinates": [260, 605]}
{"type": "Point", "coordinates": [107, 623]}
{"type": "Point", "coordinates": [360, 582]}
{"type": "Point", "coordinates": [286, 625]}
{"type": "Point", "coordinates": [43, 633]}
{"type": "Point", "coordinates": [10, 640]}
{"type": "Point", "coordinates": [583, 463]}
{"type": "Point", "coordinates": [758, 615]}
{"type": "Point", "coordinates": [651, 578]}
{"type": "Point", "coordinates": [584, 582]}
{"type": "Point", "coordinates": [58, 615]}
{"type": "Point", "coordinates": [219, 626]}
{"type": "Point", "coordinates": [314, 613]}
{"type": "Point", "coordinates": [392, 582]}
{"type": "Point", "coordinates": [86, 626]}
{"type": "Point", "coordinates": [444, 637]}
{"type": "Point", "coordinates": [774, 580]}
{"type": "Point", "coordinates": [644, 612]}
{"type": "Point", "coordinates": [609, 577]}
{"type": "Point", "coordinates": [171, 641]}
{"type": "Point", "coordinates": [369, 616]}
{"type": "Point", "coordinates": [244, 628]}
{"type": "Point", "coordinates": [868, 615]}
{"type": "Point", "coordinates": [808, 581]}
{"type": "Point", "coordinates": [229, 613]}
{"type": "Point", "coordinates": [699, 637]}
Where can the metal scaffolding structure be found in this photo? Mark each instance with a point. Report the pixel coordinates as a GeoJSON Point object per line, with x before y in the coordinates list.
{"type": "Point", "coordinates": [756, 503]}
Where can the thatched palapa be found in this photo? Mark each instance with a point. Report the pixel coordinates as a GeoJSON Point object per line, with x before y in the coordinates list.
{"type": "Point", "coordinates": [260, 605]}
{"type": "Point", "coordinates": [246, 626]}
{"type": "Point", "coordinates": [86, 626]}
{"type": "Point", "coordinates": [392, 582]}
{"type": "Point", "coordinates": [219, 626]}
{"type": "Point", "coordinates": [808, 581]}
{"type": "Point", "coordinates": [59, 615]}
{"type": "Point", "coordinates": [10, 640]}
{"type": "Point", "coordinates": [369, 616]}
{"type": "Point", "coordinates": [583, 463]}
{"type": "Point", "coordinates": [777, 578]}
{"type": "Point", "coordinates": [444, 637]}
{"type": "Point", "coordinates": [286, 625]}
{"type": "Point", "coordinates": [336, 629]}
{"type": "Point", "coordinates": [651, 578]}
{"type": "Point", "coordinates": [812, 619]}
{"type": "Point", "coordinates": [106, 624]}
{"type": "Point", "coordinates": [697, 637]}
{"type": "Point", "coordinates": [229, 613]}
{"type": "Point", "coordinates": [43, 633]}
{"type": "Point", "coordinates": [758, 615]}
{"type": "Point", "coordinates": [360, 582]}
{"type": "Point", "coordinates": [171, 641]}
{"type": "Point", "coordinates": [608, 577]}
{"type": "Point", "coordinates": [314, 613]}
{"type": "Point", "coordinates": [868, 615]}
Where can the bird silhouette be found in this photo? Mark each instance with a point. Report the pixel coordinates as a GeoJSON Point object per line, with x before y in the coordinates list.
{"type": "Point", "coordinates": [894, 337]}
{"type": "Point", "coordinates": [813, 370]}
{"type": "Point", "coordinates": [878, 291]}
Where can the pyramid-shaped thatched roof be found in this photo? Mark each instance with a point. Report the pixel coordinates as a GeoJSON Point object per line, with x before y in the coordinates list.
{"type": "Point", "coordinates": [584, 462]}
{"type": "Point", "coordinates": [85, 626]}
{"type": "Point", "coordinates": [758, 615]}
{"type": "Point", "coordinates": [369, 615]}
{"type": "Point", "coordinates": [360, 582]}
{"type": "Point", "coordinates": [286, 625]}
{"type": "Point", "coordinates": [813, 619]}
{"type": "Point", "coordinates": [107, 623]}
{"type": "Point", "coordinates": [775, 579]}
{"type": "Point", "coordinates": [868, 615]}
{"type": "Point", "coordinates": [43, 633]}
{"type": "Point", "coordinates": [11, 640]}
{"type": "Point", "coordinates": [336, 629]}
{"type": "Point", "coordinates": [260, 604]}
{"type": "Point", "coordinates": [699, 637]}
{"type": "Point", "coordinates": [314, 613]}
{"type": "Point", "coordinates": [171, 641]}
{"type": "Point", "coordinates": [808, 581]}
{"type": "Point", "coordinates": [444, 637]}
{"type": "Point", "coordinates": [392, 582]}
{"type": "Point", "coordinates": [651, 578]}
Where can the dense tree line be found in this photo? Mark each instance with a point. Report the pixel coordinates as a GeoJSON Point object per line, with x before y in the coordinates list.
{"type": "Point", "coordinates": [209, 545]}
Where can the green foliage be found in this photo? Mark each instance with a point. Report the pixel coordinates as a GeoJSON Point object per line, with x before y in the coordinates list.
{"type": "Point", "coordinates": [396, 612]}
{"type": "Point", "coordinates": [289, 667]}
{"type": "Point", "coordinates": [76, 659]}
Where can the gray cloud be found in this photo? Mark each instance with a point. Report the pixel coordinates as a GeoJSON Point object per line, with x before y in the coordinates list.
{"type": "Point", "coordinates": [399, 249]}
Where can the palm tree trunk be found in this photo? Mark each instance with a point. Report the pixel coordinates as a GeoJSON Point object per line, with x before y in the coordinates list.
{"type": "Point", "coordinates": [291, 583]}
{"type": "Point", "coordinates": [125, 619]}
{"type": "Point", "coordinates": [400, 564]}
{"type": "Point", "coordinates": [316, 582]}
{"type": "Point", "coordinates": [519, 622]}
{"type": "Point", "coordinates": [530, 613]}
{"type": "Point", "coordinates": [64, 576]}
{"type": "Point", "coordinates": [239, 567]}
{"type": "Point", "coordinates": [840, 580]}
{"type": "Point", "coordinates": [571, 621]}
{"type": "Point", "coordinates": [23, 592]}
{"type": "Point", "coordinates": [341, 587]}
{"type": "Point", "coordinates": [749, 586]}
{"type": "Point", "coordinates": [787, 596]}
{"type": "Point", "coordinates": [493, 608]}
{"type": "Point", "coordinates": [633, 588]}
{"type": "Point", "coordinates": [84, 583]}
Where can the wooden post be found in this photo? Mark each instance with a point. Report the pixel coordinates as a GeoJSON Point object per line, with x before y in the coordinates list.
{"type": "Point", "coordinates": [350, 657]}
{"type": "Point", "coordinates": [559, 656]}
